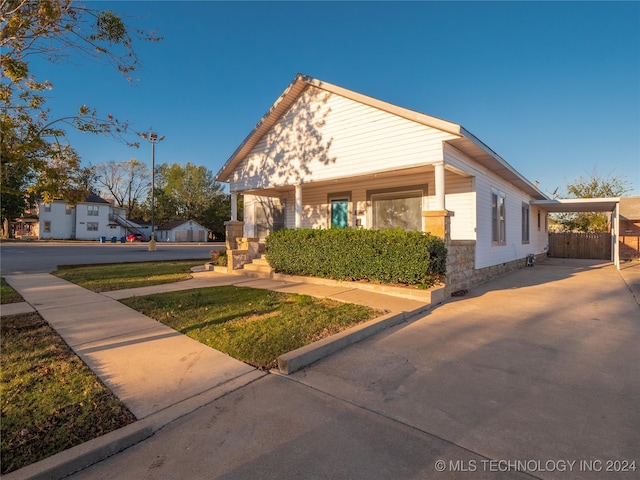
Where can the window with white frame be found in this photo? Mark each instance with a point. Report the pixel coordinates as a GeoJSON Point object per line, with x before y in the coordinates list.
{"type": "Point", "coordinates": [498, 218]}
{"type": "Point", "coordinates": [68, 209]}
{"type": "Point", "coordinates": [47, 207]}
{"type": "Point", "coordinates": [92, 210]}
{"type": "Point", "coordinates": [525, 223]}
{"type": "Point", "coordinates": [397, 209]}
{"type": "Point", "coordinates": [92, 226]}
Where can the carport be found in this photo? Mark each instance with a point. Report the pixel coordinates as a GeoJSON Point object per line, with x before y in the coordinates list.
{"type": "Point", "coordinates": [573, 205]}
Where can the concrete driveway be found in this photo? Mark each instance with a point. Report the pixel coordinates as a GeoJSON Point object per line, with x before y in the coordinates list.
{"type": "Point", "coordinates": [542, 364]}
{"type": "Point", "coordinates": [538, 371]}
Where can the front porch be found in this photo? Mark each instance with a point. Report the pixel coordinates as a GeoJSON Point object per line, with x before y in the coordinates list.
{"type": "Point", "coordinates": [411, 199]}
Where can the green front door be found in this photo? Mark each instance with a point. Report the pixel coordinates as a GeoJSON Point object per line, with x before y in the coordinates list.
{"type": "Point", "coordinates": [339, 213]}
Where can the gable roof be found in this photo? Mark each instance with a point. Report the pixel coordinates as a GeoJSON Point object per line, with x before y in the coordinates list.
{"type": "Point", "coordinates": [176, 223]}
{"type": "Point", "coordinates": [93, 198]}
{"type": "Point", "coordinates": [466, 142]}
{"type": "Point", "coordinates": [87, 197]}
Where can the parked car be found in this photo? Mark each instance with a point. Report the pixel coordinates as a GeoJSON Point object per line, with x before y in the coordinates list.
{"type": "Point", "coordinates": [135, 238]}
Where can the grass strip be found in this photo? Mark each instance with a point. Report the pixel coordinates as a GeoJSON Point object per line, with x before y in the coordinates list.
{"type": "Point", "coordinates": [8, 294]}
{"type": "Point", "coordinates": [119, 276]}
{"type": "Point", "coordinates": [51, 400]}
{"type": "Point", "coordinates": [252, 325]}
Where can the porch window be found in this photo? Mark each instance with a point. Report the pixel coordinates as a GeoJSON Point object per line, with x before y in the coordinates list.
{"type": "Point", "coordinates": [498, 220]}
{"type": "Point", "coordinates": [269, 216]}
{"type": "Point", "coordinates": [397, 209]}
{"type": "Point", "coordinates": [525, 223]}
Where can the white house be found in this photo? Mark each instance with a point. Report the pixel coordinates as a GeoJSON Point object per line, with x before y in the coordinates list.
{"type": "Point", "coordinates": [90, 219]}
{"type": "Point", "coordinates": [182, 231]}
{"type": "Point", "coordinates": [324, 156]}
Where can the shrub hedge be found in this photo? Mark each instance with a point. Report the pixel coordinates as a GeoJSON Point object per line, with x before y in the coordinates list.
{"type": "Point", "coordinates": [383, 256]}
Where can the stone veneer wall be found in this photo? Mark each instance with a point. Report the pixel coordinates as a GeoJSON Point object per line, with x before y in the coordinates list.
{"type": "Point", "coordinates": [461, 274]}
{"type": "Point", "coordinates": [461, 257]}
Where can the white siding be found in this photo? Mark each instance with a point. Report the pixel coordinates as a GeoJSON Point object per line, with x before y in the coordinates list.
{"type": "Point", "coordinates": [247, 216]}
{"type": "Point", "coordinates": [61, 223]}
{"type": "Point", "coordinates": [488, 254]}
{"type": "Point", "coordinates": [187, 232]}
{"type": "Point", "coordinates": [460, 197]}
{"type": "Point", "coordinates": [102, 219]}
{"type": "Point", "coordinates": [74, 225]}
{"type": "Point", "coordinates": [325, 136]}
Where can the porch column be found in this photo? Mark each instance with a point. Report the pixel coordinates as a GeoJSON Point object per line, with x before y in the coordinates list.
{"type": "Point", "coordinates": [439, 173]}
{"type": "Point", "coordinates": [234, 207]}
{"type": "Point", "coordinates": [234, 229]}
{"type": "Point", "coordinates": [615, 237]}
{"type": "Point", "coordinates": [298, 206]}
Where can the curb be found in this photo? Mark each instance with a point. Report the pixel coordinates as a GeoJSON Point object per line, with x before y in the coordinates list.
{"type": "Point", "coordinates": [84, 455]}
{"type": "Point", "coordinates": [304, 356]}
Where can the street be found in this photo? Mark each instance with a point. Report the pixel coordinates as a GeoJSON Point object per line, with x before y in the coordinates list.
{"type": "Point", "coordinates": [45, 257]}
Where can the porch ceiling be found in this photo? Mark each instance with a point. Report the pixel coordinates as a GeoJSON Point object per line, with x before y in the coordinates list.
{"type": "Point", "coordinates": [579, 204]}
{"type": "Point", "coordinates": [411, 175]}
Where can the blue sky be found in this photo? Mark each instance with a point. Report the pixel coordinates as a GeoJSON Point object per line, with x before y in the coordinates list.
{"type": "Point", "coordinates": [552, 87]}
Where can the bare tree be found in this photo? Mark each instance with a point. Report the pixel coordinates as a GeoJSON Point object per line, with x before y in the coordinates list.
{"type": "Point", "coordinates": [127, 182]}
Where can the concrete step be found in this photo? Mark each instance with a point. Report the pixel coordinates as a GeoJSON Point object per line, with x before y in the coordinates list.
{"type": "Point", "coordinates": [259, 268]}
{"type": "Point", "coordinates": [260, 261]}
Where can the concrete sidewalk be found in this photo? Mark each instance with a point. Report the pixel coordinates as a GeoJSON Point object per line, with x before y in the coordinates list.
{"type": "Point", "coordinates": [158, 373]}
{"type": "Point", "coordinates": [470, 382]}
{"type": "Point", "coordinates": [539, 367]}
{"type": "Point", "coordinates": [149, 366]}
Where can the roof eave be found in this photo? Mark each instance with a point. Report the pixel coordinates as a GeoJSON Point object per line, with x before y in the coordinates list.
{"type": "Point", "coordinates": [291, 93]}
{"type": "Point", "coordinates": [480, 152]}
{"type": "Point", "coordinates": [297, 85]}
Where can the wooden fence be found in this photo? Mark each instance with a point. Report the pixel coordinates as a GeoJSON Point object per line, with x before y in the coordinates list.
{"type": "Point", "coordinates": [580, 245]}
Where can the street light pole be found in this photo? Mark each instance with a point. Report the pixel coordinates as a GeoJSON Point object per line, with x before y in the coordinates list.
{"type": "Point", "coordinates": [153, 138]}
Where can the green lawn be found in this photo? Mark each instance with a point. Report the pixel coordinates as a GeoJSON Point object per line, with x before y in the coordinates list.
{"type": "Point", "coordinates": [105, 278]}
{"type": "Point", "coordinates": [8, 294]}
{"type": "Point", "coordinates": [51, 400]}
{"type": "Point", "coordinates": [252, 325]}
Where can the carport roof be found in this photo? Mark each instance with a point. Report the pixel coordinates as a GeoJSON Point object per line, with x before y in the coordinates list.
{"type": "Point", "coordinates": [578, 204]}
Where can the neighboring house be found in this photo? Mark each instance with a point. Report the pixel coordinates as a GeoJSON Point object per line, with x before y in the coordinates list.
{"type": "Point", "coordinates": [182, 231]}
{"type": "Point", "coordinates": [90, 219]}
{"type": "Point", "coordinates": [324, 156]}
{"type": "Point", "coordinates": [26, 227]}
{"type": "Point", "coordinates": [630, 227]}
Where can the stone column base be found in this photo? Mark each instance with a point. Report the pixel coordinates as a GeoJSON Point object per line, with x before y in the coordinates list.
{"type": "Point", "coordinates": [438, 223]}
